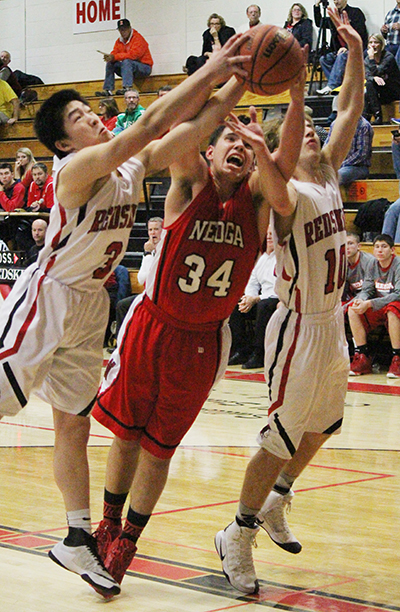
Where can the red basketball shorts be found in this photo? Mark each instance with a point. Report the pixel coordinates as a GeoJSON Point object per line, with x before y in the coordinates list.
{"type": "Point", "coordinates": [372, 319]}
{"type": "Point", "coordinates": [159, 378]}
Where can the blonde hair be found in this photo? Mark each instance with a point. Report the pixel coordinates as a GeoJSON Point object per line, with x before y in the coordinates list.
{"type": "Point", "coordinates": [32, 160]}
{"type": "Point", "coordinates": [304, 14]}
{"type": "Point", "coordinates": [378, 36]}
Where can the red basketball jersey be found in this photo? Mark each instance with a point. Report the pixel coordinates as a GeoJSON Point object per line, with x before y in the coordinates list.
{"type": "Point", "coordinates": [205, 258]}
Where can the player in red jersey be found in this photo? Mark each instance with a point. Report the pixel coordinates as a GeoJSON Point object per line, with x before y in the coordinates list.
{"type": "Point", "coordinates": [174, 343]}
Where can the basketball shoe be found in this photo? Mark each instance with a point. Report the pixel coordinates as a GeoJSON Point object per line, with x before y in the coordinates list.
{"type": "Point", "coordinates": [360, 364]}
{"type": "Point", "coordinates": [394, 370]}
{"type": "Point", "coordinates": [84, 560]}
{"type": "Point", "coordinates": [119, 557]}
{"type": "Point", "coordinates": [233, 545]}
{"type": "Point", "coordinates": [105, 535]}
{"type": "Point", "coordinates": [272, 518]}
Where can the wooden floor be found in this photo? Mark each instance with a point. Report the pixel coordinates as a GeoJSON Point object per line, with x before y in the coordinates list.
{"type": "Point", "coordinates": [346, 513]}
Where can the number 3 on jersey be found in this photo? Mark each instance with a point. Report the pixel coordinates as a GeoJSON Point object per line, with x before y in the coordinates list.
{"type": "Point", "coordinates": [219, 280]}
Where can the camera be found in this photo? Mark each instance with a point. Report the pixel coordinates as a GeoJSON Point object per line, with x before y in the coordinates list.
{"type": "Point", "coordinates": [325, 3]}
{"type": "Point", "coordinates": [396, 133]}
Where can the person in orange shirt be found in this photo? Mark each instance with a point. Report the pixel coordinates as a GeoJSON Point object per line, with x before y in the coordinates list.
{"type": "Point", "coordinates": [130, 58]}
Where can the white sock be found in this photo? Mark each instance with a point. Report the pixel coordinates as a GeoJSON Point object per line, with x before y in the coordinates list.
{"type": "Point", "coordinates": [80, 519]}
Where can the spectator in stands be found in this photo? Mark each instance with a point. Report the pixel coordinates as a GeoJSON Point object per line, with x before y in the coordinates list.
{"type": "Point", "coordinates": [396, 149]}
{"type": "Point", "coordinates": [118, 287]}
{"type": "Point", "coordinates": [334, 62]}
{"type": "Point", "coordinates": [391, 223]}
{"type": "Point", "coordinates": [130, 58]}
{"type": "Point", "coordinates": [253, 13]}
{"type": "Point", "coordinates": [39, 228]}
{"type": "Point", "coordinates": [214, 37]}
{"type": "Point", "coordinates": [162, 91]}
{"type": "Point", "coordinates": [6, 74]}
{"type": "Point", "coordinates": [12, 192]}
{"type": "Point", "coordinates": [391, 30]}
{"type": "Point", "coordinates": [382, 78]}
{"type": "Point", "coordinates": [258, 303]}
{"type": "Point", "coordinates": [377, 304]}
{"type": "Point", "coordinates": [9, 104]}
{"type": "Point", "coordinates": [357, 263]}
{"type": "Point", "coordinates": [154, 230]}
{"type": "Point", "coordinates": [358, 161]}
{"type": "Point", "coordinates": [41, 194]}
{"type": "Point", "coordinates": [133, 111]}
{"type": "Point", "coordinates": [24, 80]}
{"type": "Point", "coordinates": [108, 111]}
{"type": "Point", "coordinates": [300, 25]}
{"type": "Point", "coordinates": [24, 161]}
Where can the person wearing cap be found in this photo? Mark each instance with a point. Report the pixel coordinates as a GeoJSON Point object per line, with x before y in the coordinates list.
{"type": "Point", "coordinates": [130, 58]}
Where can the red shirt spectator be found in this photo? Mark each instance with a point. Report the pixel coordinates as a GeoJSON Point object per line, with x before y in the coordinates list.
{"type": "Point", "coordinates": [41, 193]}
{"type": "Point", "coordinates": [13, 193]}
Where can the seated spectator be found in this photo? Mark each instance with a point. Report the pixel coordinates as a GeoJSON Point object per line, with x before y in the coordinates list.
{"type": "Point", "coordinates": [162, 91]}
{"type": "Point", "coordinates": [41, 194]}
{"type": "Point", "coordinates": [154, 230]}
{"type": "Point", "coordinates": [377, 304]}
{"type": "Point", "coordinates": [6, 74]}
{"type": "Point", "coordinates": [258, 303]}
{"type": "Point", "coordinates": [9, 104]}
{"type": "Point", "coordinates": [24, 161]}
{"type": "Point", "coordinates": [213, 38]}
{"type": "Point", "coordinates": [396, 150]}
{"type": "Point", "coordinates": [12, 192]}
{"type": "Point", "coordinates": [391, 223]}
{"type": "Point", "coordinates": [133, 111]}
{"type": "Point", "coordinates": [118, 286]}
{"type": "Point", "coordinates": [39, 228]}
{"type": "Point", "coordinates": [108, 111]}
{"type": "Point", "coordinates": [300, 25]}
{"type": "Point", "coordinates": [357, 263]}
{"type": "Point", "coordinates": [334, 62]}
{"type": "Point", "coordinates": [253, 13]}
{"type": "Point", "coordinates": [24, 80]}
{"type": "Point", "coordinates": [382, 78]}
{"type": "Point", "coordinates": [358, 161]}
{"type": "Point", "coordinates": [130, 58]}
{"type": "Point", "coordinates": [390, 30]}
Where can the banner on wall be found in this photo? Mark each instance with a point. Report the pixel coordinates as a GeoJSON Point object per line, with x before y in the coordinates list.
{"type": "Point", "coordinates": [96, 15]}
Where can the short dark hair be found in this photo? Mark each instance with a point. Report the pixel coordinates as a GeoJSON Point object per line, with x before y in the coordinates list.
{"type": "Point", "coordinates": [6, 166]}
{"type": "Point", "coordinates": [215, 136]}
{"type": "Point", "coordinates": [384, 238]}
{"type": "Point", "coordinates": [49, 120]}
{"type": "Point", "coordinates": [164, 88]}
{"type": "Point", "coordinates": [41, 166]}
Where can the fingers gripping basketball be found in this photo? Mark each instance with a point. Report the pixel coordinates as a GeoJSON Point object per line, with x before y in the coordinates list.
{"type": "Point", "coordinates": [277, 59]}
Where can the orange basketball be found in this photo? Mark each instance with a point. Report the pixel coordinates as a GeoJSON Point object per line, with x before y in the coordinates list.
{"type": "Point", "coordinates": [277, 59]}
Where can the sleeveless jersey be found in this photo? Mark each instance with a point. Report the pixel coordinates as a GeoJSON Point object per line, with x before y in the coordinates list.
{"type": "Point", "coordinates": [311, 260]}
{"type": "Point", "coordinates": [205, 257]}
{"type": "Point", "coordinates": [84, 245]}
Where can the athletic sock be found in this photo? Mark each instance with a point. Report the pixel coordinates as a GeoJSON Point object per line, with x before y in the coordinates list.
{"type": "Point", "coordinates": [283, 483]}
{"type": "Point", "coordinates": [363, 348]}
{"type": "Point", "coordinates": [245, 516]}
{"type": "Point", "coordinates": [113, 506]}
{"type": "Point", "coordinates": [134, 525]}
{"type": "Point", "coordinates": [79, 519]}
{"type": "Point", "coordinates": [396, 352]}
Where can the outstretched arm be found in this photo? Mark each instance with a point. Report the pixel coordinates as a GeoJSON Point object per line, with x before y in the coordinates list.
{"type": "Point", "coordinates": [351, 96]}
{"type": "Point", "coordinates": [182, 103]}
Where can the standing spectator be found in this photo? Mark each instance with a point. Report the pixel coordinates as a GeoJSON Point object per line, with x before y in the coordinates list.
{"type": "Point", "coordinates": [258, 303]}
{"type": "Point", "coordinates": [253, 13]}
{"type": "Point", "coordinates": [108, 111]}
{"type": "Point", "coordinates": [391, 30]}
{"type": "Point", "coordinates": [377, 304]}
{"type": "Point", "coordinates": [213, 38]}
{"type": "Point", "coordinates": [358, 161]}
{"type": "Point", "coordinates": [24, 161]}
{"type": "Point", "coordinates": [300, 25]}
{"type": "Point", "coordinates": [41, 194]}
{"type": "Point", "coordinates": [133, 111]}
{"type": "Point", "coordinates": [382, 78]}
{"type": "Point", "coordinates": [333, 63]}
{"type": "Point", "coordinates": [130, 58]}
{"type": "Point", "coordinates": [12, 192]}
{"type": "Point", "coordinates": [39, 228]}
{"type": "Point", "coordinates": [9, 104]}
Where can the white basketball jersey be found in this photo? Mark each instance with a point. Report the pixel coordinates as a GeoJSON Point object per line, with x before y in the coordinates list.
{"type": "Point", "coordinates": [311, 260]}
{"type": "Point", "coordinates": [84, 245]}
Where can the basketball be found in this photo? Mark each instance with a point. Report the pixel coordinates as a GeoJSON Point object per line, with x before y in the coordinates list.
{"type": "Point", "coordinates": [276, 59]}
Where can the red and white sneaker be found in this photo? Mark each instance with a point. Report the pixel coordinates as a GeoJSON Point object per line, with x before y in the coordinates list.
{"type": "Point", "coordinates": [360, 364]}
{"type": "Point", "coordinates": [119, 557]}
{"type": "Point", "coordinates": [394, 370]}
{"type": "Point", "coordinates": [105, 534]}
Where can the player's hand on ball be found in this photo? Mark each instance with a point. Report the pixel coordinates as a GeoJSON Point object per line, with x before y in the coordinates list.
{"type": "Point", "coordinates": [224, 62]}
